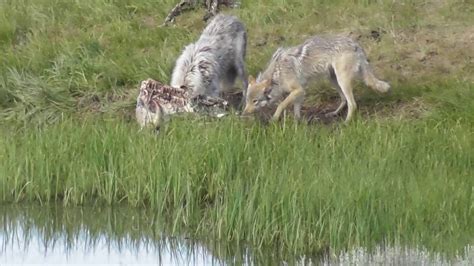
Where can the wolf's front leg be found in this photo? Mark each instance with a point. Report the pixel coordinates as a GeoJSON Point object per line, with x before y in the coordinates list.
{"type": "Point", "coordinates": [296, 95]}
{"type": "Point", "coordinates": [242, 73]}
{"type": "Point", "coordinates": [297, 104]}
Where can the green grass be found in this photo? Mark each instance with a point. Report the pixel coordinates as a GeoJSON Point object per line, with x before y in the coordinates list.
{"type": "Point", "coordinates": [78, 56]}
{"type": "Point", "coordinates": [303, 187]}
{"type": "Point", "coordinates": [401, 173]}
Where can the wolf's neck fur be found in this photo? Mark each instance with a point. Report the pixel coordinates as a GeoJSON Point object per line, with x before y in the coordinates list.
{"type": "Point", "coordinates": [271, 72]}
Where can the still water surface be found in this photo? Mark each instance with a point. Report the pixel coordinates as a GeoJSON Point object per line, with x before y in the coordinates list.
{"type": "Point", "coordinates": [55, 235]}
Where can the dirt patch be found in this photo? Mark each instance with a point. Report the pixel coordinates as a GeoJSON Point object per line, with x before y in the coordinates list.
{"type": "Point", "coordinates": [318, 114]}
{"type": "Point", "coordinates": [310, 114]}
{"type": "Point", "coordinates": [149, 22]}
{"type": "Point", "coordinates": [421, 55]}
{"type": "Point", "coordinates": [414, 108]}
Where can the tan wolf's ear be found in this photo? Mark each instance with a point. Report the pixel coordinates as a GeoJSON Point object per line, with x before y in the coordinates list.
{"type": "Point", "coordinates": [252, 79]}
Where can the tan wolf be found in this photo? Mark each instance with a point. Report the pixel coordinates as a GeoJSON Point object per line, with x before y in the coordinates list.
{"type": "Point", "coordinates": [339, 58]}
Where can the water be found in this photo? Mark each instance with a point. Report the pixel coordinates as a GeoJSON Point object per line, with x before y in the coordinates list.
{"type": "Point", "coordinates": [122, 236]}
{"type": "Point", "coordinates": [56, 235]}
{"type": "Point", "coordinates": [36, 250]}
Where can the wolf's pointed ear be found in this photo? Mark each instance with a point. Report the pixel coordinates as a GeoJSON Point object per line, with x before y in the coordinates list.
{"type": "Point", "coordinates": [251, 79]}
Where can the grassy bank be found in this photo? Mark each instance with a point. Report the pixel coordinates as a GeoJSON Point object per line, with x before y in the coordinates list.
{"type": "Point", "coordinates": [90, 56]}
{"type": "Point", "coordinates": [303, 187]}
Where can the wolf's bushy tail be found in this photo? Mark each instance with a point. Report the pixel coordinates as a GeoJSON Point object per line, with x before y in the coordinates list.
{"type": "Point", "coordinates": [370, 79]}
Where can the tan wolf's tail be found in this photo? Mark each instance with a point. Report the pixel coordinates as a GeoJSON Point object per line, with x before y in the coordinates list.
{"type": "Point", "coordinates": [371, 81]}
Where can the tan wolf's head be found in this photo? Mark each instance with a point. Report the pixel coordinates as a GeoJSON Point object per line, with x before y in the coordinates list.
{"type": "Point", "coordinates": [258, 95]}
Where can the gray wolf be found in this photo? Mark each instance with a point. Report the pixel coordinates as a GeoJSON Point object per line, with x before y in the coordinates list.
{"type": "Point", "coordinates": [211, 65]}
{"type": "Point", "coordinates": [339, 58]}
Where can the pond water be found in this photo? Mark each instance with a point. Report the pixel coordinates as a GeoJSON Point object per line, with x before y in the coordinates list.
{"type": "Point", "coordinates": [55, 235]}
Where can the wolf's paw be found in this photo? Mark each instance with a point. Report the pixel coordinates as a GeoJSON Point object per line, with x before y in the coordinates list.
{"type": "Point", "coordinates": [331, 114]}
{"type": "Point", "coordinates": [274, 119]}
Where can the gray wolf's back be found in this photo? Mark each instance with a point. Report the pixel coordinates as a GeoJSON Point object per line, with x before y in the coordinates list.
{"type": "Point", "coordinates": [215, 60]}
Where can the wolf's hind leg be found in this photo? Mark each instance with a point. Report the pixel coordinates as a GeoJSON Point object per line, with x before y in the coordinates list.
{"type": "Point", "coordinates": [343, 103]}
{"type": "Point", "coordinates": [345, 74]}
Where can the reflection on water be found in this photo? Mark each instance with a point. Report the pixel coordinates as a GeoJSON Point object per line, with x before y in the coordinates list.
{"type": "Point", "coordinates": [28, 250]}
{"type": "Point", "coordinates": [53, 234]}
{"type": "Point", "coordinates": [49, 235]}
{"type": "Point", "coordinates": [399, 256]}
